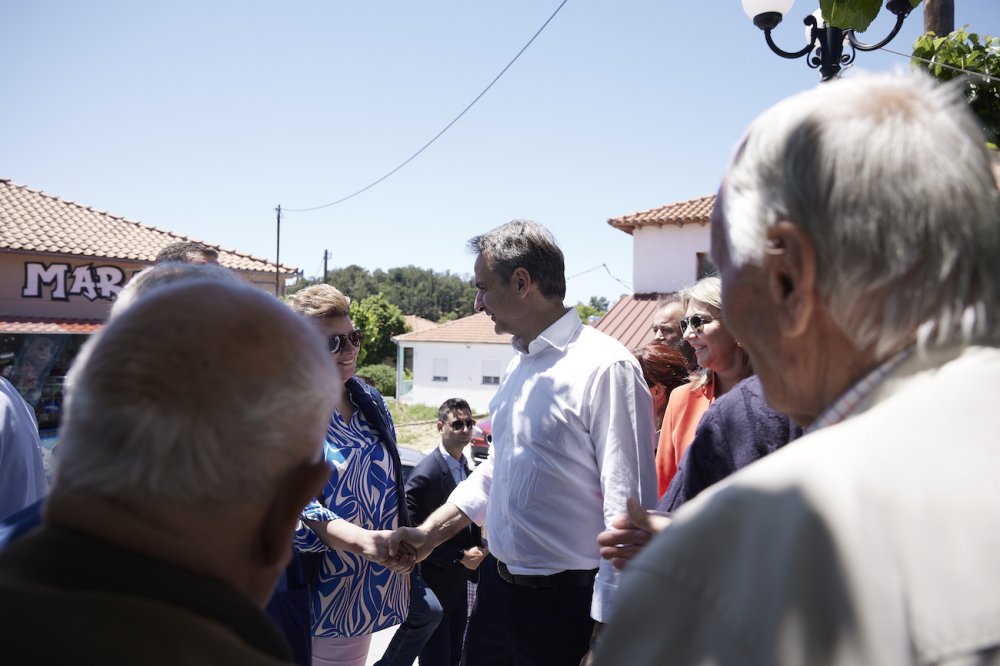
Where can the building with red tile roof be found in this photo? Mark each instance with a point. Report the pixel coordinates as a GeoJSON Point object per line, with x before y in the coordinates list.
{"type": "Point", "coordinates": [464, 358]}
{"type": "Point", "coordinates": [61, 265]}
{"type": "Point", "coordinates": [669, 251]}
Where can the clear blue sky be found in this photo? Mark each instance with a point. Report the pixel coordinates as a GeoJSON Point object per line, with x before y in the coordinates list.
{"type": "Point", "coordinates": [201, 117]}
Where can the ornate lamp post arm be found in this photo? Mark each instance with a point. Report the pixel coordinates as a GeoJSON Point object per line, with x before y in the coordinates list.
{"type": "Point", "coordinates": [826, 43]}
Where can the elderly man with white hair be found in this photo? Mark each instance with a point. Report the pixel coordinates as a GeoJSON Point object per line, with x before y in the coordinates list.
{"type": "Point", "coordinates": [857, 234]}
{"type": "Point", "coordinates": [191, 442]}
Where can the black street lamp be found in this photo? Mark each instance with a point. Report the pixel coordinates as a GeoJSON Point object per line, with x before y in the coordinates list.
{"type": "Point", "coordinates": [826, 43]}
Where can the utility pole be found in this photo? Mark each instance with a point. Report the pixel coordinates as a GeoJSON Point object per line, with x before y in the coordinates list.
{"type": "Point", "coordinates": [939, 16]}
{"type": "Point", "coordinates": [326, 255]}
{"type": "Point", "coordinates": [277, 256]}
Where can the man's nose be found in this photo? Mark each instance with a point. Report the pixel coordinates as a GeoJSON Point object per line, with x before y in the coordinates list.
{"type": "Point", "coordinates": [478, 304]}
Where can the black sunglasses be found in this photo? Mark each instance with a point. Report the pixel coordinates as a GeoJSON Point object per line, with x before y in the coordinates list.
{"type": "Point", "coordinates": [335, 343]}
{"type": "Point", "coordinates": [460, 423]}
{"type": "Point", "coordinates": [695, 322]}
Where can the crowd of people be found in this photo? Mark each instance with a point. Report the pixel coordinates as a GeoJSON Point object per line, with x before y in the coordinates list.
{"type": "Point", "coordinates": [796, 470]}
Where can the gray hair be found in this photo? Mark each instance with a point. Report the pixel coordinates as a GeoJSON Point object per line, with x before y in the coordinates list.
{"type": "Point", "coordinates": [528, 245]}
{"type": "Point", "coordinates": [201, 391]}
{"type": "Point", "coordinates": [166, 273]}
{"type": "Point", "coordinates": [889, 177]}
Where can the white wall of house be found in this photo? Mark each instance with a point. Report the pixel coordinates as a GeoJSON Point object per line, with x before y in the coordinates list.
{"type": "Point", "coordinates": [666, 258]}
{"type": "Point", "coordinates": [443, 370]}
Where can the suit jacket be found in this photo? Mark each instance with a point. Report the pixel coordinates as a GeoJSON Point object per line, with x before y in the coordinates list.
{"type": "Point", "coordinates": [871, 541]}
{"type": "Point", "coordinates": [428, 487]}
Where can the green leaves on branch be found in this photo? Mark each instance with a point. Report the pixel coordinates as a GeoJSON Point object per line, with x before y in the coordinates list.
{"type": "Point", "coordinates": [971, 55]}
{"type": "Point", "coordinates": [380, 320]}
{"type": "Point", "coordinates": [853, 14]}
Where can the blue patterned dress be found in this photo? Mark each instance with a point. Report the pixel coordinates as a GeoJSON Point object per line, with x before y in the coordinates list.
{"type": "Point", "coordinates": [354, 596]}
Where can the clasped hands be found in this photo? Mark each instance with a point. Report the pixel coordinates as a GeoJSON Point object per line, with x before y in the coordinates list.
{"type": "Point", "coordinates": [385, 548]}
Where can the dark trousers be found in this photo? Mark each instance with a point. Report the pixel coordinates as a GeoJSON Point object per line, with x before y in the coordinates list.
{"type": "Point", "coordinates": [522, 626]}
{"type": "Point", "coordinates": [422, 618]}
{"type": "Point", "coordinates": [444, 647]}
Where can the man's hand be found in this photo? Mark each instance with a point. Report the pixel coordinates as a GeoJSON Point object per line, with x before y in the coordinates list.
{"type": "Point", "coordinates": [630, 532]}
{"type": "Point", "coordinates": [473, 557]}
{"type": "Point", "coordinates": [376, 548]}
{"type": "Point", "coordinates": [409, 540]}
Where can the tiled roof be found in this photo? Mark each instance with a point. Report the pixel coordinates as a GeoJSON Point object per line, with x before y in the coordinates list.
{"type": "Point", "coordinates": [33, 221]}
{"type": "Point", "coordinates": [692, 211]}
{"type": "Point", "coordinates": [475, 328]}
{"type": "Point", "coordinates": [630, 320]}
{"type": "Point", "coordinates": [48, 325]}
{"type": "Point", "coordinates": [415, 324]}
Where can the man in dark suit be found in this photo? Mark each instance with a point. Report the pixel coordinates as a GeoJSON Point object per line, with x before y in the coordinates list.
{"type": "Point", "coordinates": [448, 568]}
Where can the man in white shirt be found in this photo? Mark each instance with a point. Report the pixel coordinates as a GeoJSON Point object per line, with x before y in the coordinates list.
{"type": "Point", "coordinates": [857, 235]}
{"type": "Point", "coordinates": [572, 440]}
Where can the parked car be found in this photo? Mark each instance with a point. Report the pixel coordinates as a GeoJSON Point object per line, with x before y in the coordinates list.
{"type": "Point", "coordinates": [482, 438]}
{"type": "Point", "coordinates": [409, 458]}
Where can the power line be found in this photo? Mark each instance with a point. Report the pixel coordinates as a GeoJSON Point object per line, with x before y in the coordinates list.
{"type": "Point", "coordinates": [446, 128]}
{"type": "Point", "coordinates": [608, 270]}
{"type": "Point", "coordinates": [967, 72]}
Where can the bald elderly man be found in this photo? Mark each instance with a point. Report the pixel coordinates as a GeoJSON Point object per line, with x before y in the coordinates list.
{"type": "Point", "coordinates": [191, 443]}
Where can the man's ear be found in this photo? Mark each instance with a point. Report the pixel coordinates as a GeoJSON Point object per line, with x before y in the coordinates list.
{"type": "Point", "coordinates": [440, 426]}
{"type": "Point", "coordinates": [521, 279]}
{"type": "Point", "coordinates": [790, 266]}
{"type": "Point", "coordinates": [298, 488]}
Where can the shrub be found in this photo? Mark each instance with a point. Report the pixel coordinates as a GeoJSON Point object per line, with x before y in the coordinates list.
{"type": "Point", "coordinates": [382, 377]}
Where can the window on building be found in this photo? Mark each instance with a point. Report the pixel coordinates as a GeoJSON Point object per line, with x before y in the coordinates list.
{"type": "Point", "coordinates": [491, 372]}
{"type": "Point", "coordinates": [440, 370]}
{"type": "Point", "coordinates": [705, 266]}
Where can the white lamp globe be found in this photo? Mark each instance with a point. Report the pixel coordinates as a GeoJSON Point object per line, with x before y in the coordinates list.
{"type": "Point", "coordinates": [754, 8]}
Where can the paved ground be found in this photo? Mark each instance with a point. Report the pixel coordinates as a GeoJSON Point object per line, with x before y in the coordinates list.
{"type": "Point", "coordinates": [380, 640]}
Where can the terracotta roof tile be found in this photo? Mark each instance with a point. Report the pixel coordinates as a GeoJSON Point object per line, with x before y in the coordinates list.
{"type": "Point", "coordinates": [475, 328]}
{"type": "Point", "coordinates": [415, 324]}
{"type": "Point", "coordinates": [48, 325]}
{"type": "Point", "coordinates": [630, 320]}
{"type": "Point", "coordinates": [34, 221]}
{"type": "Point", "coordinates": [692, 211]}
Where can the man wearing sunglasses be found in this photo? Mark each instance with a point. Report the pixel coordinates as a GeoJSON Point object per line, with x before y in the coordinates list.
{"type": "Point", "coordinates": [572, 439]}
{"type": "Point", "coordinates": [450, 566]}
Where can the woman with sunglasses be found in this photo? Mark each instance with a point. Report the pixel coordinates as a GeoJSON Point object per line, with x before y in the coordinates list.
{"type": "Point", "coordinates": [360, 589]}
{"type": "Point", "coordinates": [723, 364]}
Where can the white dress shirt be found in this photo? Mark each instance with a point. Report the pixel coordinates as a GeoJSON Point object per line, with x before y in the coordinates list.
{"type": "Point", "coordinates": [572, 440]}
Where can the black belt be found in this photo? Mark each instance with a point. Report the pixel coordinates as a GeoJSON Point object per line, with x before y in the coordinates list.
{"type": "Point", "coordinates": [568, 578]}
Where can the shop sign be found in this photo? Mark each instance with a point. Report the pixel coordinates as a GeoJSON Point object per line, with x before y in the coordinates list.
{"type": "Point", "coordinates": [90, 281]}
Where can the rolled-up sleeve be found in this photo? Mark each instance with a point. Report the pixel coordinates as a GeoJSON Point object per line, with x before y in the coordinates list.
{"type": "Point", "coordinates": [472, 495]}
{"type": "Point", "coordinates": [622, 408]}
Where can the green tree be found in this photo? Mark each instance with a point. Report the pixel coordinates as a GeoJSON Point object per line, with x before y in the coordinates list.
{"type": "Point", "coordinates": [599, 303]}
{"type": "Point", "coordinates": [420, 291]}
{"type": "Point", "coordinates": [380, 320]}
{"type": "Point", "coordinates": [974, 54]}
{"type": "Point", "coordinates": [587, 311]}
{"type": "Point", "coordinates": [381, 376]}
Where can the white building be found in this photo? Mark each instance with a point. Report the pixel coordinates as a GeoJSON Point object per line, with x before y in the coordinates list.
{"type": "Point", "coordinates": [669, 251]}
{"type": "Point", "coordinates": [464, 359]}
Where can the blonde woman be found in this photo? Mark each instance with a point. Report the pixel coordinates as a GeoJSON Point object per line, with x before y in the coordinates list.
{"type": "Point", "coordinates": [723, 363]}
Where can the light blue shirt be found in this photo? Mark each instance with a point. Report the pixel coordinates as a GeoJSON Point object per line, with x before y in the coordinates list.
{"type": "Point", "coordinates": [456, 467]}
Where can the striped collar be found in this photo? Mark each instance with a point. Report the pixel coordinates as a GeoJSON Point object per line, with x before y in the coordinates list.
{"type": "Point", "coordinates": [848, 401]}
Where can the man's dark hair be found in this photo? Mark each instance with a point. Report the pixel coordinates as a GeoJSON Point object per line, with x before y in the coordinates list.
{"type": "Point", "coordinates": [451, 405]}
{"type": "Point", "coordinates": [181, 251]}
{"type": "Point", "coordinates": [528, 245]}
